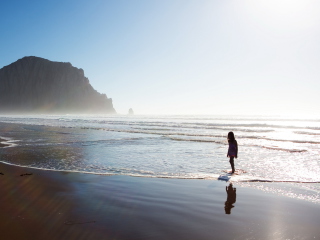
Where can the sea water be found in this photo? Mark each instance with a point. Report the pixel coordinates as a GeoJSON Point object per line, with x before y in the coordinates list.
{"type": "Point", "coordinates": [271, 149]}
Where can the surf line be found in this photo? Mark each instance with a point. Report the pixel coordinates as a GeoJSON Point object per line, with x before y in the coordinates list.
{"type": "Point", "coordinates": [280, 181]}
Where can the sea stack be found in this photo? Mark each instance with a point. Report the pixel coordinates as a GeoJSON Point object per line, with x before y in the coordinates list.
{"type": "Point", "coordinates": [130, 112]}
{"type": "Point", "coordinates": [37, 85]}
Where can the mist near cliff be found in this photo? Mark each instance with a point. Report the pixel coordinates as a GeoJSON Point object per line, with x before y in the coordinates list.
{"type": "Point", "coordinates": [34, 85]}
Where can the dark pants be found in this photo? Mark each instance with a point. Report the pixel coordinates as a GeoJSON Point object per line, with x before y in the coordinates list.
{"type": "Point", "coordinates": [232, 163]}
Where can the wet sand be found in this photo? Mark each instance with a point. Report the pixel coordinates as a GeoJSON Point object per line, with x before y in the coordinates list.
{"type": "Point", "coordinates": [1, 143]}
{"type": "Point", "coordinates": [40, 204]}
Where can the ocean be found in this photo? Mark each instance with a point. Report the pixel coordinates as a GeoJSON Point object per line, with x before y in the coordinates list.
{"type": "Point", "coordinates": [276, 154]}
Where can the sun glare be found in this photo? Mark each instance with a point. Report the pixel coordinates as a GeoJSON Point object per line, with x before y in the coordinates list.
{"type": "Point", "coordinates": [288, 14]}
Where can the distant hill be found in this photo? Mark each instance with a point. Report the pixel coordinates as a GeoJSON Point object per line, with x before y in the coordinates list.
{"type": "Point", "coordinates": [37, 85]}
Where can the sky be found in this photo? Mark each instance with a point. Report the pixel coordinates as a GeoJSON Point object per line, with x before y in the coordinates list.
{"type": "Point", "coordinates": [178, 56]}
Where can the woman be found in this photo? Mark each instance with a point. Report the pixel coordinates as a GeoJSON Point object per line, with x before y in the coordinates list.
{"type": "Point", "coordinates": [233, 149]}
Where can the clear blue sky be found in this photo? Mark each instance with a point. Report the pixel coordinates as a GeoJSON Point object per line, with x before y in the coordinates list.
{"type": "Point", "coordinates": [178, 56]}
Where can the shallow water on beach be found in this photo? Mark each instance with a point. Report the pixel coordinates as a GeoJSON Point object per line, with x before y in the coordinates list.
{"type": "Point", "coordinates": [270, 148]}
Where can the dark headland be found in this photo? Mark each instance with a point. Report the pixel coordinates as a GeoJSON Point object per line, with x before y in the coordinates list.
{"type": "Point", "coordinates": [37, 85]}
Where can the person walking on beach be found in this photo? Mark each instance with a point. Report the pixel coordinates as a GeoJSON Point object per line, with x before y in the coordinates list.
{"type": "Point", "coordinates": [233, 149]}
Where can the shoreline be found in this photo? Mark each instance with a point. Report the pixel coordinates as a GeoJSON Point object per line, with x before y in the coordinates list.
{"type": "Point", "coordinates": [2, 143]}
{"type": "Point", "coordinates": [40, 204]}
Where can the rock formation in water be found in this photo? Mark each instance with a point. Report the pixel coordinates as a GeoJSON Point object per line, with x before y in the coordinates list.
{"type": "Point", "coordinates": [37, 85]}
{"type": "Point", "coordinates": [130, 112]}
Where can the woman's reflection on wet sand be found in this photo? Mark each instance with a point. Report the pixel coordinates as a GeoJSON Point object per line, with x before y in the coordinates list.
{"type": "Point", "coordinates": [231, 198]}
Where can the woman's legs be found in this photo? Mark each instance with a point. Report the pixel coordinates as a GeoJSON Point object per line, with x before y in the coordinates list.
{"type": "Point", "coordinates": [232, 163]}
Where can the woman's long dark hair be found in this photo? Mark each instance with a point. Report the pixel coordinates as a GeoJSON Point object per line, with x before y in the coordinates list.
{"type": "Point", "coordinates": [231, 137]}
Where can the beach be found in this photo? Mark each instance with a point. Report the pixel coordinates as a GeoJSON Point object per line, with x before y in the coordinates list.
{"type": "Point", "coordinates": [114, 177]}
{"type": "Point", "coordinates": [38, 204]}
{"type": "Point", "coordinates": [160, 120]}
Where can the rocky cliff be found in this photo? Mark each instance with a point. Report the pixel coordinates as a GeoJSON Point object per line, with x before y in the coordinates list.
{"type": "Point", "coordinates": [37, 85]}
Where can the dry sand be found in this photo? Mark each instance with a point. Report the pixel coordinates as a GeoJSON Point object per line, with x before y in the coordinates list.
{"type": "Point", "coordinates": [60, 205]}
